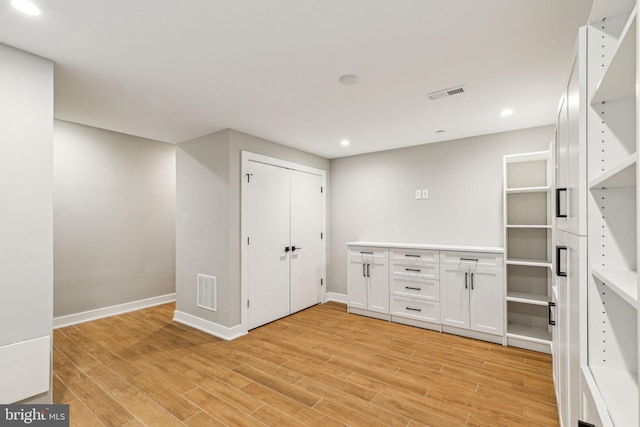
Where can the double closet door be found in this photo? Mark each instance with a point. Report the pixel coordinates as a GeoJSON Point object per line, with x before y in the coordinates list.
{"type": "Point", "coordinates": [284, 241]}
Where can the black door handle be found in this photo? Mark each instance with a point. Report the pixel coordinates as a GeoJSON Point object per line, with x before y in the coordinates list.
{"type": "Point", "coordinates": [293, 248]}
{"type": "Point", "coordinates": [561, 213]}
{"type": "Point", "coordinates": [287, 249]}
{"type": "Point", "coordinates": [559, 271]}
{"type": "Point", "coordinates": [552, 322]}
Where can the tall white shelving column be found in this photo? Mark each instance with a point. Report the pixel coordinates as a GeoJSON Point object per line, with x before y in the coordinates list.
{"type": "Point", "coordinates": [611, 371]}
{"type": "Point", "coordinates": [527, 237]}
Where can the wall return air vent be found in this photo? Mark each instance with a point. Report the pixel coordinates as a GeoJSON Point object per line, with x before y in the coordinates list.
{"type": "Point", "coordinates": [446, 92]}
{"type": "Point", "coordinates": [207, 292]}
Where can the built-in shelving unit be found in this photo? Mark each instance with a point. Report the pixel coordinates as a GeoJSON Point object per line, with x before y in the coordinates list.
{"type": "Point", "coordinates": [527, 236]}
{"type": "Point", "coordinates": [612, 299]}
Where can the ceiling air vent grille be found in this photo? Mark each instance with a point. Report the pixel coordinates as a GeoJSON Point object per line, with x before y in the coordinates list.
{"type": "Point", "coordinates": [207, 292]}
{"type": "Point", "coordinates": [446, 92]}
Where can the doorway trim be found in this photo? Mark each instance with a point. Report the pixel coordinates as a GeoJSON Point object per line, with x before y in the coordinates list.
{"type": "Point", "coordinates": [248, 157]}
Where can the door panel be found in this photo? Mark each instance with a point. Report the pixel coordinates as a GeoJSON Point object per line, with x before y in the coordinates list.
{"type": "Point", "coordinates": [562, 161]}
{"type": "Point", "coordinates": [268, 227]}
{"type": "Point", "coordinates": [378, 277]}
{"type": "Point", "coordinates": [306, 226]}
{"type": "Point", "coordinates": [486, 298]}
{"type": "Point", "coordinates": [357, 283]}
{"type": "Point", "coordinates": [454, 296]}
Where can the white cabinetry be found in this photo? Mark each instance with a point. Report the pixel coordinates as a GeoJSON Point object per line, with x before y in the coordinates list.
{"type": "Point", "coordinates": [596, 351]}
{"type": "Point", "coordinates": [612, 299]}
{"type": "Point", "coordinates": [368, 284]}
{"type": "Point", "coordinates": [528, 235]}
{"type": "Point", "coordinates": [472, 292]}
{"type": "Point", "coordinates": [455, 289]}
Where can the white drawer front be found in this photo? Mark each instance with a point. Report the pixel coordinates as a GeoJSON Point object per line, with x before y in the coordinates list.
{"type": "Point", "coordinates": [478, 259]}
{"type": "Point", "coordinates": [409, 270]}
{"type": "Point", "coordinates": [414, 256]}
{"type": "Point", "coordinates": [417, 309]}
{"type": "Point", "coordinates": [424, 288]}
{"type": "Point", "coordinates": [380, 255]}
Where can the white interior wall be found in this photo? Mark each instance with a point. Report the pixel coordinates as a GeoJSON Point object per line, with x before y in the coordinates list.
{"type": "Point", "coordinates": [208, 216]}
{"type": "Point", "coordinates": [114, 218]}
{"type": "Point", "coordinates": [372, 195]}
{"type": "Point", "coordinates": [26, 198]}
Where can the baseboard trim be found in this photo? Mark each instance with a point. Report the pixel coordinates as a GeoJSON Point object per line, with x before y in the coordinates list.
{"type": "Point", "coordinates": [100, 313]}
{"type": "Point", "coordinates": [208, 326]}
{"type": "Point", "coordinates": [334, 296]}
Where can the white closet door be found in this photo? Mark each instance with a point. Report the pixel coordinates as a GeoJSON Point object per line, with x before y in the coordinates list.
{"type": "Point", "coordinates": [306, 226]}
{"type": "Point", "coordinates": [268, 194]}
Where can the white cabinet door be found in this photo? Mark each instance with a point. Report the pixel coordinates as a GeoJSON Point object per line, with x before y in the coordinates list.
{"type": "Point", "coordinates": [574, 265]}
{"type": "Point", "coordinates": [378, 277]}
{"type": "Point", "coordinates": [486, 300]}
{"type": "Point", "coordinates": [368, 284]}
{"type": "Point", "coordinates": [562, 165]}
{"type": "Point", "coordinates": [306, 226]}
{"type": "Point", "coordinates": [357, 282]}
{"type": "Point", "coordinates": [454, 295]}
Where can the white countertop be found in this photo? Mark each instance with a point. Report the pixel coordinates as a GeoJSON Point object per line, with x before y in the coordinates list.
{"type": "Point", "coordinates": [432, 246]}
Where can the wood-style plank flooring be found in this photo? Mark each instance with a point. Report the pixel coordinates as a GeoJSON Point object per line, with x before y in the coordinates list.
{"type": "Point", "coordinates": [319, 367]}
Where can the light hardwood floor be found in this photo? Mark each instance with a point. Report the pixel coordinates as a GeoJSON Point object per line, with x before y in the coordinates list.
{"type": "Point", "coordinates": [319, 367]}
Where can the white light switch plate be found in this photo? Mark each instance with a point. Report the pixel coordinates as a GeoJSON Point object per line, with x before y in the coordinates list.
{"type": "Point", "coordinates": [425, 194]}
{"type": "Point", "coordinates": [418, 194]}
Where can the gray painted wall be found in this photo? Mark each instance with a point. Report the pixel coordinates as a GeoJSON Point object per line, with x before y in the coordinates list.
{"type": "Point", "coordinates": [208, 216]}
{"type": "Point", "coordinates": [372, 195]}
{"type": "Point", "coordinates": [114, 218]}
{"type": "Point", "coordinates": [26, 186]}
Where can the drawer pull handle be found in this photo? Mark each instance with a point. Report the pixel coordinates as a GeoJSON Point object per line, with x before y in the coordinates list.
{"type": "Point", "coordinates": [412, 255]}
{"type": "Point", "coordinates": [412, 269]}
{"type": "Point", "coordinates": [469, 259]}
{"type": "Point", "coordinates": [412, 288]}
{"type": "Point", "coordinates": [364, 252]}
{"type": "Point", "coordinates": [413, 309]}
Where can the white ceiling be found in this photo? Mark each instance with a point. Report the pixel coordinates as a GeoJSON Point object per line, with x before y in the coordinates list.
{"type": "Point", "coordinates": [173, 70]}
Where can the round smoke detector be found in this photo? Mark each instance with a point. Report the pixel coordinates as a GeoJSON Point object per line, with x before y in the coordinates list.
{"type": "Point", "coordinates": [349, 79]}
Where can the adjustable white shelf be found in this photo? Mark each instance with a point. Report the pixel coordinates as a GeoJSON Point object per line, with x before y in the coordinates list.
{"type": "Point", "coordinates": [622, 174]}
{"type": "Point", "coordinates": [528, 298]}
{"type": "Point", "coordinates": [529, 262]}
{"type": "Point", "coordinates": [516, 190]}
{"type": "Point", "coordinates": [622, 282]}
{"type": "Point", "coordinates": [529, 333]}
{"type": "Point", "coordinates": [619, 79]}
{"type": "Point", "coordinates": [620, 391]}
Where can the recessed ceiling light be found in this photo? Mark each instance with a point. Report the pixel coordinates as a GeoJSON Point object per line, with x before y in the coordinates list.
{"type": "Point", "coordinates": [349, 79]}
{"type": "Point", "coordinates": [26, 7]}
{"type": "Point", "coordinates": [506, 112]}
{"type": "Point", "coordinates": [344, 142]}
